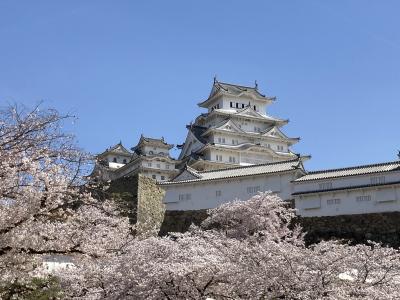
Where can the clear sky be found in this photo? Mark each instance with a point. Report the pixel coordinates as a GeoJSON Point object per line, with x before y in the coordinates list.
{"type": "Point", "coordinates": [131, 67]}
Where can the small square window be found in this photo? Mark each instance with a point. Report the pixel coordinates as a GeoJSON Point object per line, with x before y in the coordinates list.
{"type": "Point", "coordinates": [153, 176]}
{"type": "Point", "coordinates": [162, 177]}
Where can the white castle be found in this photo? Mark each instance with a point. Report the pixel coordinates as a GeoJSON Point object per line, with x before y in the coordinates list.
{"type": "Point", "coordinates": [235, 150]}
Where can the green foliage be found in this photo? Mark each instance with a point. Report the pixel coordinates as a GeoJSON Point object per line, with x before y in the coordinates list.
{"type": "Point", "coordinates": [36, 289]}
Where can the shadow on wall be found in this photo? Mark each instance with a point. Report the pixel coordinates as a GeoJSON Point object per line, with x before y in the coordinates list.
{"type": "Point", "coordinates": [180, 220]}
{"type": "Point", "coordinates": [378, 227]}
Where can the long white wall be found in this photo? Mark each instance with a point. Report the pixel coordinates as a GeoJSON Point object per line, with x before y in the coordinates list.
{"type": "Point", "coordinates": [348, 202]}
{"type": "Point", "coordinates": [210, 194]}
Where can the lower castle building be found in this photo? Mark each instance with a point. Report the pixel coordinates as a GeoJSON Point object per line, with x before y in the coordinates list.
{"type": "Point", "coordinates": [235, 150]}
{"type": "Point", "coordinates": [149, 157]}
{"type": "Point", "coordinates": [354, 190]}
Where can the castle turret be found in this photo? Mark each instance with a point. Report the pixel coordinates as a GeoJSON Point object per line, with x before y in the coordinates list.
{"type": "Point", "coordinates": [235, 130]}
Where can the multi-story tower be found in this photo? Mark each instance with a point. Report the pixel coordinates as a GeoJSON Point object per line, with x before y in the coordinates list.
{"type": "Point", "coordinates": [235, 130]}
{"type": "Point", "coordinates": [150, 157]}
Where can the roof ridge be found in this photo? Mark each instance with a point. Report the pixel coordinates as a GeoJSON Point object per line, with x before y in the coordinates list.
{"type": "Point", "coordinates": [354, 167]}
{"type": "Point", "coordinates": [251, 166]}
{"type": "Point", "coordinates": [237, 85]}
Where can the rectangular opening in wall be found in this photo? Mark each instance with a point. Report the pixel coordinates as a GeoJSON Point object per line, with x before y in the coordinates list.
{"type": "Point", "coordinates": [378, 180]}
{"type": "Point", "coordinates": [333, 201]}
{"type": "Point", "coordinates": [325, 185]}
{"type": "Point", "coordinates": [364, 198]}
{"type": "Point", "coordinates": [311, 203]}
{"type": "Point", "coordinates": [385, 195]}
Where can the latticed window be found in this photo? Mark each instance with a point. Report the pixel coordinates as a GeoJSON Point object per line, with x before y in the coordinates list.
{"type": "Point", "coordinates": [333, 201]}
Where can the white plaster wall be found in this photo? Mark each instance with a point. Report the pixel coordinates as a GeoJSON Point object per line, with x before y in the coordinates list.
{"type": "Point", "coordinates": [260, 105]}
{"type": "Point", "coordinates": [157, 175]}
{"type": "Point", "coordinates": [225, 156]}
{"type": "Point", "coordinates": [159, 165]}
{"type": "Point", "coordinates": [384, 199]}
{"type": "Point", "coordinates": [120, 159]}
{"type": "Point", "coordinates": [249, 124]}
{"type": "Point", "coordinates": [156, 150]}
{"type": "Point", "coordinates": [203, 194]}
{"type": "Point", "coordinates": [114, 165]}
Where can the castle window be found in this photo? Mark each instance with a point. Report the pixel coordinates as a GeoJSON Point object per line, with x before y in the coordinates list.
{"type": "Point", "coordinates": [242, 105]}
{"type": "Point", "coordinates": [237, 105]}
{"type": "Point", "coordinates": [231, 104]}
{"type": "Point", "coordinates": [153, 176]}
{"type": "Point", "coordinates": [253, 189]}
{"type": "Point", "coordinates": [219, 157]}
{"type": "Point", "coordinates": [149, 164]}
{"type": "Point", "coordinates": [232, 159]}
{"type": "Point", "coordinates": [162, 177]}
{"type": "Point", "coordinates": [115, 159]}
{"type": "Point", "coordinates": [185, 196]}
{"type": "Point", "coordinates": [124, 161]}
{"type": "Point", "coordinates": [363, 198]}
{"type": "Point", "coordinates": [151, 152]}
{"type": "Point", "coordinates": [167, 166]}
{"type": "Point", "coordinates": [255, 107]}
{"type": "Point", "coordinates": [378, 180]}
{"type": "Point", "coordinates": [325, 185]}
{"type": "Point", "coordinates": [218, 193]}
{"type": "Point", "coordinates": [333, 201]}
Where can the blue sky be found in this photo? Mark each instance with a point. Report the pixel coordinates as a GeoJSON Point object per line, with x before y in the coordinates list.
{"type": "Point", "coordinates": [131, 67]}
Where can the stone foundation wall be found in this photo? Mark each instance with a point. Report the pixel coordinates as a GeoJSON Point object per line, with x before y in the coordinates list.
{"type": "Point", "coordinates": [124, 191]}
{"type": "Point", "coordinates": [139, 198]}
{"type": "Point", "coordinates": [180, 220]}
{"type": "Point", "coordinates": [150, 206]}
{"type": "Point", "coordinates": [377, 227]}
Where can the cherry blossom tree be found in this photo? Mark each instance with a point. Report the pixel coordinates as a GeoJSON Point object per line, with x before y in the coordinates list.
{"type": "Point", "coordinates": [44, 208]}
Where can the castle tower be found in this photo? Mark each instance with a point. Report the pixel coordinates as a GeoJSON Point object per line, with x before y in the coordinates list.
{"type": "Point", "coordinates": [149, 157]}
{"type": "Point", "coordinates": [235, 131]}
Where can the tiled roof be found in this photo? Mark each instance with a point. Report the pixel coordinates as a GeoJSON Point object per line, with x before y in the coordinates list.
{"type": "Point", "coordinates": [234, 90]}
{"type": "Point", "coordinates": [354, 187]}
{"type": "Point", "coordinates": [118, 148]}
{"type": "Point", "coordinates": [151, 141]}
{"type": "Point", "coordinates": [352, 171]}
{"type": "Point", "coordinates": [198, 132]}
{"type": "Point", "coordinates": [244, 171]}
